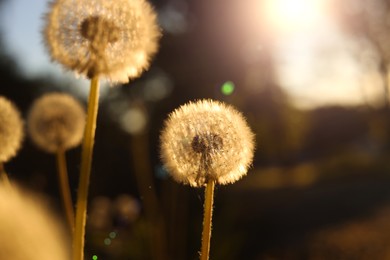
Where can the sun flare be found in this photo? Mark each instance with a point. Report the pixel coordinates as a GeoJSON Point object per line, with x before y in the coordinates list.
{"type": "Point", "coordinates": [293, 15]}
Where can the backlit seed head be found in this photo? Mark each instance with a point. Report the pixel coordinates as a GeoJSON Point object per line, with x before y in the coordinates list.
{"type": "Point", "coordinates": [28, 230]}
{"type": "Point", "coordinates": [11, 130]}
{"type": "Point", "coordinates": [114, 39]}
{"type": "Point", "coordinates": [207, 143]}
{"type": "Point", "coordinates": [56, 121]}
{"type": "Point", "coordinates": [90, 29]}
{"type": "Point", "coordinates": [206, 140]}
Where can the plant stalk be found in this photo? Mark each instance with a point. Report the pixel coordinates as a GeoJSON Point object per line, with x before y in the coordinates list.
{"type": "Point", "coordinates": [207, 219]}
{"type": "Point", "coordinates": [63, 182]}
{"type": "Point", "coordinates": [144, 179]}
{"type": "Point", "coordinates": [85, 171]}
{"type": "Point", "coordinates": [4, 177]}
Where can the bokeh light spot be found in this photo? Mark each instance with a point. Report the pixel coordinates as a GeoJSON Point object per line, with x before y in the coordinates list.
{"type": "Point", "coordinates": [127, 209]}
{"type": "Point", "coordinates": [134, 120]}
{"type": "Point", "coordinates": [161, 172]}
{"type": "Point", "coordinates": [107, 241]}
{"type": "Point", "coordinates": [227, 88]}
{"type": "Point", "coordinates": [112, 235]}
{"type": "Point", "coordinates": [158, 87]}
{"type": "Point", "coordinates": [94, 257]}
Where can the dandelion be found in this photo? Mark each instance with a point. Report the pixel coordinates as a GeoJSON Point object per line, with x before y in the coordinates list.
{"type": "Point", "coordinates": [11, 130]}
{"type": "Point", "coordinates": [11, 134]}
{"type": "Point", "coordinates": [206, 140]}
{"type": "Point", "coordinates": [111, 39]}
{"type": "Point", "coordinates": [56, 123]}
{"type": "Point", "coordinates": [28, 230]}
{"type": "Point", "coordinates": [203, 144]}
{"type": "Point", "coordinates": [99, 39]}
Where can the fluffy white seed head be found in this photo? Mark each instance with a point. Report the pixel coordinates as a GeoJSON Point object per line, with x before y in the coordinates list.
{"type": "Point", "coordinates": [206, 140]}
{"type": "Point", "coordinates": [56, 121]}
{"type": "Point", "coordinates": [114, 39]}
{"type": "Point", "coordinates": [11, 130]}
{"type": "Point", "coordinates": [28, 230]}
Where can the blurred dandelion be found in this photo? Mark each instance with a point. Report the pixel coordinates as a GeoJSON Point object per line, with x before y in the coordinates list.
{"type": "Point", "coordinates": [126, 208]}
{"type": "Point", "coordinates": [100, 213]}
{"type": "Point", "coordinates": [28, 230]}
{"type": "Point", "coordinates": [99, 39]}
{"type": "Point", "coordinates": [11, 133]}
{"type": "Point", "coordinates": [11, 130]}
{"type": "Point", "coordinates": [56, 123]}
{"type": "Point", "coordinates": [203, 144]}
{"type": "Point", "coordinates": [110, 39]}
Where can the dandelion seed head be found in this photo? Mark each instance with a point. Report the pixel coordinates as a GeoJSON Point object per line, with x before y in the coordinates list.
{"type": "Point", "coordinates": [28, 230]}
{"type": "Point", "coordinates": [56, 121]}
{"type": "Point", "coordinates": [114, 39]}
{"type": "Point", "coordinates": [206, 140]}
{"type": "Point", "coordinates": [91, 29]}
{"type": "Point", "coordinates": [207, 143]}
{"type": "Point", "coordinates": [11, 130]}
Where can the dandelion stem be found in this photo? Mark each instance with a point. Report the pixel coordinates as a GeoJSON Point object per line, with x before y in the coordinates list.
{"type": "Point", "coordinates": [207, 219]}
{"type": "Point", "coordinates": [144, 179]}
{"type": "Point", "coordinates": [65, 188]}
{"type": "Point", "coordinates": [85, 172]}
{"type": "Point", "coordinates": [4, 177]}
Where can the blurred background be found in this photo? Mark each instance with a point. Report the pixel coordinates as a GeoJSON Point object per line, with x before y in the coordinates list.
{"type": "Point", "coordinates": [312, 78]}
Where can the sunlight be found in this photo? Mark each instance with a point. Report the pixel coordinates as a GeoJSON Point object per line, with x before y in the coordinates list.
{"type": "Point", "coordinates": [293, 15]}
{"type": "Point", "coordinates": [315, 62]}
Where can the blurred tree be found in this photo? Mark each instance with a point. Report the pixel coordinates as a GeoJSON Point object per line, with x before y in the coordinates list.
{"type": "Point", "coordinates": [7, 65]}
{"type": "Point", "coordinates": [369, 21]}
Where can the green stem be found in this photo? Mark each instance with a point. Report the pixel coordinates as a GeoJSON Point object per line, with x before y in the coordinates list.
{"type": "Point", "coordinates": [85, 171]}
{"type": "Point", "coordinates": [207, 219]}
{"type": "Point", "coordinates": [65, 188]}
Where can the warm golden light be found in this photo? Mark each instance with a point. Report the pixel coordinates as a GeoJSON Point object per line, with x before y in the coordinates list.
{"type": "Point", "coordinates": [293, 15]}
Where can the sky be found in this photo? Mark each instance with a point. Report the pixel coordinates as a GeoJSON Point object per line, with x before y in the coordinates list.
{"type": "Point", "coordinates": [21, 24]}
{"type": "Point", "coordinates": [315, 62]}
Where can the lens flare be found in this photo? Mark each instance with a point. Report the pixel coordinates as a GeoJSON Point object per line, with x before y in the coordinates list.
{"type": "Point", "coordinates": [227, 88]}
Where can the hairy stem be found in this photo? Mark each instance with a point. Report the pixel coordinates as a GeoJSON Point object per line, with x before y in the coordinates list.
{"type": "Point", "coordinates": [207, 219]}
{"type": "Point", "coordinates": [63, 182]}
{"type": "Point", "coordinates": [85, 172]}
